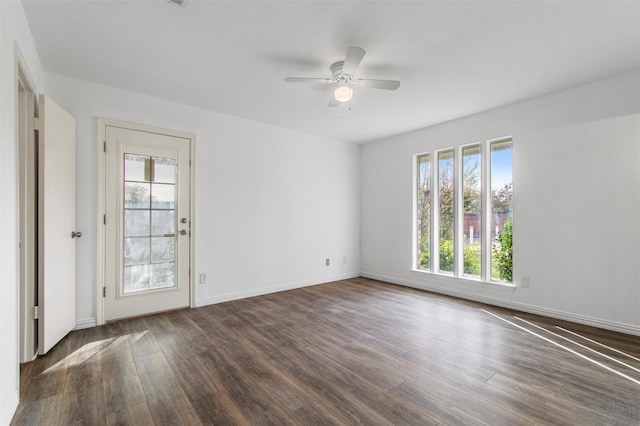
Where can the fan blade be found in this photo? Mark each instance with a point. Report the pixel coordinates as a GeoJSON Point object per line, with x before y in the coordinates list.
{"type": "Point", "coordinates": [378, 84]}
{"type": "Point", "coordinates": [351, 62]}
{"type": "Point", "coordinates": [307, 80]}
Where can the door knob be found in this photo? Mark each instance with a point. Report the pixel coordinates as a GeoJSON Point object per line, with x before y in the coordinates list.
{"type": "Point", "coordinates": [183, 220]}
{"type": "Point", "coordinates": [76, 234]}
{"type": "Point", "coordinates": [183, 232]}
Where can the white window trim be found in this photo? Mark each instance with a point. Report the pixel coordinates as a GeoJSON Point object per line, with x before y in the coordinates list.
{"type": "Point", "coordinates": [485, 185]}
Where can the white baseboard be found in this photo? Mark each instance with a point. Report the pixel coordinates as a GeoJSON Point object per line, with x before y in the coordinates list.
{"type": "Point", "coordinates": [552, 313]}
{"type": "Point", "coordinates": [85, 323]}
{"type": "Point", "coordinates": [268, 290]}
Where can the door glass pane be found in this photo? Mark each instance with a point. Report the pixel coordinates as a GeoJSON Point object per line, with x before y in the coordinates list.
{"type": "Point", "coordinates": [164, 170]}
{"type": "Point", "coordinates": [136, 250]}
{"type": "Point", "coordinates": [162, 275]}
{"type": "Point", "coordinates": [136, 195]}
{"type": "Point", "coordinates": [162, 222]}
{"type": "Point", "coordinates": [162, 196]}
{"type": "Point", "coordinates": [149, 223]}
{"type": "Point", "coordinates": [136, 223]}
{"type": "Point", "coordinates": [162, 249]}
{"type": "Point", "coordinates": [136, 278]}
{"type": "Point", "coordinates": [134, 167]}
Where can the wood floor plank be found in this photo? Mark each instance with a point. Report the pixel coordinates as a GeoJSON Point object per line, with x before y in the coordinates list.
{"type": "Point", "coordinates": [131, 415]}
{"type": "Point", "coordinates": [557, 411]}
{"type": "Point", "coordinates": [122, 386]}
{"type": "Point", "coordinates": [239, 384]}
{"type": "Point", "coordinates": [216, 408]}
{"type": "Point", "coordinates": [321, 381]}
{"type": "Point", "coordinates": [446, 412]}
{"type": "Point", "coordinates": [166, 399]}
{"type": "Point", "coordinates": [356, 351]}
{"type": "Point", "coordinates": [43, 411]}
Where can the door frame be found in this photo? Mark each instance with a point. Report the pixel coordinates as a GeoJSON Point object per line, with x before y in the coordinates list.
{"type": "Point", "coordinates": [102, 124]}
{"type": "Point", "coordinates": [27, 213]}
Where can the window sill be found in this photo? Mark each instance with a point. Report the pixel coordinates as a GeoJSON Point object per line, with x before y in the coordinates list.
{"type": "Point", "coordinates": [475, 282]}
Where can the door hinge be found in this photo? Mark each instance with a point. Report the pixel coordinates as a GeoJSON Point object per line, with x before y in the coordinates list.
{"type": "Point", "coordinates": [104, 146]}
{"type": "Point", "coordinates": [35, 312]}
{"type": "Point", "coordinates": [104, 219]}
{"type": "Point", "coordinates": [35, 123]}
{"type": "Point", "coordinates": [104, 291]}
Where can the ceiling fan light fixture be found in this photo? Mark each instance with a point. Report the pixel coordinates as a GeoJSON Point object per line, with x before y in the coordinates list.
{"type": "Point", "coordinates": [343, 93]}
{"type": "Point", "coordinates": [343, 80]}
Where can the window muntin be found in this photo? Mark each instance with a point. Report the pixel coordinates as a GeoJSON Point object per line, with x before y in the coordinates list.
{"type": "Point", "coordinates": [423, 213]}
{"type": "Point", "coordinates": [149, 202]}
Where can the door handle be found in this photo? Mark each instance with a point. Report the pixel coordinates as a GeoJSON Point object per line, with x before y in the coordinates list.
{"type": "Point", "coordinates": [76, 234]}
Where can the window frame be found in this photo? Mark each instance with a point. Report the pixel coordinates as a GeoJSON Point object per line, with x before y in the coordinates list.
{"type": "Point", "coordinates": [435, 218]}
{"type": "Point", "coordinates": [416, 172]}
{"type": "Point", "coordinates": [459, 259]}
{"type": "Point", "coordinates": [485, 214]}
{"type": "Point", "coordinates": [489, 208]}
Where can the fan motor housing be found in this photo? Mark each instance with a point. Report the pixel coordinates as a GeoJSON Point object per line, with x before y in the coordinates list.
{"type": "Point", "coordinates": [336, 69]}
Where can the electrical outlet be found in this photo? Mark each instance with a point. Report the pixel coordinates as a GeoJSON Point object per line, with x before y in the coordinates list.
{"type": "Point", "coordinates": [524, 282]}
{"type": "Point", "coordinates": [203, 278]}
{"type": "Point", "coordinates": [327, 262]}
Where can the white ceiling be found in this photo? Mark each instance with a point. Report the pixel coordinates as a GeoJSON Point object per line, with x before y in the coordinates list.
{"type": "Point", "coordinates": [453, 58]}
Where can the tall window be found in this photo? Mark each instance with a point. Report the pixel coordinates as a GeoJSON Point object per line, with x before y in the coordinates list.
{"type": "Point", "coordinates": [465, 229]}
{"type": "Point", "coordinates": [446, 203]}
{"type": "Point", "coordinates": [472, 203]}
{"type": "Point", "coordinates": [423, 213]}
{"type": "Point", "coordinates": [501, 211]}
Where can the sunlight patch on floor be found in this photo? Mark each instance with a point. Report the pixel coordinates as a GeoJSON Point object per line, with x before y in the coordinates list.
{"type": "Point", "coordinates": [92, 349]}
{"type": "Point", "coordinates": [584, 357]}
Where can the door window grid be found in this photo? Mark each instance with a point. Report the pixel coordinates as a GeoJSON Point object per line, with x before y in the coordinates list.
{"type": "Point", "coordinates": [149, 223]}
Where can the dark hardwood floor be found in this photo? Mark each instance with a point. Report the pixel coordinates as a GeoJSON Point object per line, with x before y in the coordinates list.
{"type": "Point", "coordinates": [354, 351]}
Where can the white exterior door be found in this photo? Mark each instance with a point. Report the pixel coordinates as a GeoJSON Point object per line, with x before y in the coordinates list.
{"type": "Point", "coordinates": [148, 220]}
{"type": "Point", "coordinates": [56, 224]}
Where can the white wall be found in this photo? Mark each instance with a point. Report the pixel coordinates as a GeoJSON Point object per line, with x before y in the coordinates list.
{"type": "Point", "coordinates": [576, 203]}
{"type": "Point", "coordinates": [271, 203]}
{"type": "Point", "coordinates": [15, 36]}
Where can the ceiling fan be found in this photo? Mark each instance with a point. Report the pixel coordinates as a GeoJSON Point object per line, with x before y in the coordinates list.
{"type": "Point", "coordinates": [343, 77]}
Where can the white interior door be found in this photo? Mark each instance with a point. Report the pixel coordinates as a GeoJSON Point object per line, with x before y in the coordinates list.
{"type": "Point", "coordinates": [147, 227]}
{"type": "Point", "coordinates": [56, 224]}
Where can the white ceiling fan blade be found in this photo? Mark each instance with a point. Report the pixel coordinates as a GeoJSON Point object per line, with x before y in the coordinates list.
{"type": "Point", "coordinates": [378, 84]}
{"type": "Point", "coordinates": [351, 62]}
{"type": "Point", "coordinates": [307, 80]}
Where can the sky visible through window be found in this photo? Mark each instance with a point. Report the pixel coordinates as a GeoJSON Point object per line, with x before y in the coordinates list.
{"type": "Point", "coordinates": [501, 168]}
